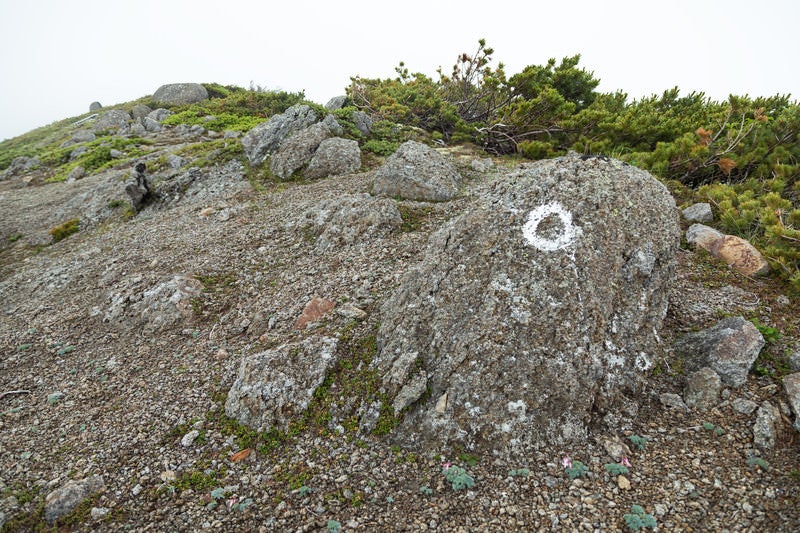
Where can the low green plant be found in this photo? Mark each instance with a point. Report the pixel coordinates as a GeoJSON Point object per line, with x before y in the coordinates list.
{"type": "Point", "coordinates": [427, 491]}
{"type": "Point", "coordinates": [576, 469]}
{"type": "Point", "coordinates": [758, 462]}
{"type": "Point", "coordinates": [468, 458]}
{"type": "Point", "coordinates": [64, 230]}
{"type": "Point", "coordinates": [334, 526]}
{"type": "Point", "coordinates": [637, 519]}
{"type": "Point", "coordinates": [616, 469]}
{"type": "Point", "coordinates": [770, 334]}
{"type": "Point", "coordinates": [457, 477]}
{"type": "Point", "coordinates": [639, 442]}
{"type": "Point", "coordinates": [304, 491]}
{"type": "Point", "coordinates": [519, 472]}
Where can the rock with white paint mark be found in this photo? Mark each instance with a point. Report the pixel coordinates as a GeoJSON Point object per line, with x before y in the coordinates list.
{"type": "Point", "coordinates": [547, 296]}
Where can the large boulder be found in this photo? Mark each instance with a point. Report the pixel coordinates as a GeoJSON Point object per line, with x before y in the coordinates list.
{"type": "Point", "coordinates": [297, 150]}
{"type": "Point", "coordinates": [729, 347]}
{"type": "Point", "coordinates": [180, 93]}
{"type": "Point", "coordinates": [417, 172]}
{"type": "Point", "coordinates": [265, 138]}
{"type": "Point", "coordinates": [334, 157]}
{"type": "Point", "coordinates": [535, 314]}
{"type": "Point", "coordinates": [113, 121]}
{"type": "Point", "coordinates": [275, 387]}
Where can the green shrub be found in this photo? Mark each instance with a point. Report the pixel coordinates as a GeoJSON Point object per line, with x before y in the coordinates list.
{"type": "Point", "coordinates": [62, 231]}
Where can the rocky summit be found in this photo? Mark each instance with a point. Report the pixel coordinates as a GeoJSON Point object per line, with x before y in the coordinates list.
{"type": "Point", "coordinates": [308, 320]}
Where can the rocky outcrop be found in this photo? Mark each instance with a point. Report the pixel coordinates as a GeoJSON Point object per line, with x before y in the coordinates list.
{"type": "Point", "coordinates": [337, 102]}
{"type": "Point", "coordinates": [180, 93]}
{"type": "Point", "coordinates": [20, 165]}
{"type": "Point", "coordinates": [535, 314]}
{"type": "Point", "coordinates": [296, 151]}
{"type": "Point", "coordinates": [417, 172]}
{"type": "Point", "coordinates": [729, 347]}
{"type": "Point", "coordinates": [63, 501]}
{"type": "Point", "coordinates": [334, 157]}
{"type": "Point", "coordinates": [274, 387]}
{"type": "Point", "coordinates": [114, 121]}
{"type": "Point", "coordinates": [262, 140]}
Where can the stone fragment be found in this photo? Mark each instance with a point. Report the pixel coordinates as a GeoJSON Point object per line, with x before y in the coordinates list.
{"type": "Point", "coordinates": [140, 111]}
{"type": "Point", "coordinates": [337, 102]}
{"type": "Point", "coordinates": [274, 387]}
{"type": "Point", "coordinates": [98, 513]}
{"type": "Point", "coordinates": [362, 122]}
{"type": "Point", "coordinates": [83, 136]}
{"type": "Point", "coordinates": [64, 500]}
{"type": "Point", "coordinates": [417, 172]}
{"type": "Point", "coordinates": [180, 93]}
{"type": "Point", "coordinates": [482, 165]}
{"type": "Point", "coordinates": [623, 483]}
{"type": "Point", "coordinates": [188, 439]}
{"type": "Point", "coordinates": [764, 428]}
{"type": "Point", "coordinates": [334, 157]}
{"type": "Point", "coordinates": [740, 255]}
{"type": "Point", "coordinates": [791, 383]}
{"type": "Point", "coordinates": [265, 138]}
{"type": "Point", "coordinates": [315, 309]}
{"type": "Point", "coordinates": [94, 106]}
{"type": "Point", "coordinates": [702, 389]}
{"type": "Point", "coordinates": [151, 125]}
{"type": "Point", "coordinates": [351, 311]}
{"type": "Point", "coordinates": [76, 174]}
{"type": "Point", "coordinates": [699, 212]}
{"type": "Point", "coordinates": [729, 347]}
{"type": "Point", "coordinates": [744, 406]}
{"type": "Point", "coordinates": [20, 165]}
{"type": "Point", "coordinates": [159, 114]}
{"type": "Point", "coordinates": [535, 312]}
{"type": "Point", "coordinates": [672, 400]}
{"type": "Point", "coordinates": [113, 121]}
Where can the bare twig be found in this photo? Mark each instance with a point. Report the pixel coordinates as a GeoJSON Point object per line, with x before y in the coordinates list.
{"type": "Point", "coordinates": [12, 392]}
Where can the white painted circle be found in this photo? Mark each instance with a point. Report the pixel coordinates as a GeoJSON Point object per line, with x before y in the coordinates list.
{"type": "Point", "coordinates": [550, 244]}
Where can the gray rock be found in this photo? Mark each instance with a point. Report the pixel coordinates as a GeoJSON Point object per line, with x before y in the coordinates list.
{"type": "Point", "coordinates": [700, 212]}
{"type": "Point", "coordinates": [115, 154]}
{"type": "Point", "coordinates": [702, 236]}
{"type": "Point", "coordinates": [188, 439]}
{"type": "Point", "coordinates": [274, 387]}
{"type": "Point", "coordinates": [702, 389]}
{"type": "Point", "coordinates": [167, 303]}
{"type": "Point", "coordinates": [362, 122]}
{"type": "Point", "coordinates": [94, 106]}
{"type": "Point", "coordinates": [98, 513]}
{"type": "Point", "coordinates": [82, 136]}
{"type": "Point", "coordinates": [265, 138]}
{"type": "Point", "coordinates": [526, 314]}
{"type": "Point", "coordinates": [20, 165]}
{"type": "Point", "coordinates": [791, 383]}
{"type": "Point", "coordinates": [138, 189]}
{"type": "Point", "coordinates": [482, 165]}
{"type": "Point", "coordinates": [175, 161]}
{"type": "Point", "coordinates": [77, 152]}
{"type": "Point", "coordinates": [112, 121]}
{"type": "Point", "coordinates": [334, 157]}
{"type": "Point", "coordinates": [349, 219]}
{"type": "Point", "coordinates": [764, 431]}
{"type": "Point", "coordinates": [729, 347]}
{"type": "Point", "coordinates": [140, 111]}
{"type": "Point", "coordinates": [794, 361]}
{"type": "Point", "coordinates": [151, 125]}
{"type": "Point", "coordinates": [159, 114]}
{"type": "Point", "coordinates": [672, 400]}
{"type": "Point", "coordinates": [231, 134]}
{"type": "Point", "coordinates": [63, 501]}
{"type": "Point", "coordinates": [137, 129]}
{"type": "Point", "coordinates": [743, 406]}
{"type": "Point", "coordinates": [180, 93]}
{"type": "Point", "coordinates": [297, 150]}
{"type": "Point", "coordinates": [417, 172]}
{"type": "Point", "coordinates": [337, 102]}
{"type": "Point", "coordinates": [76, 174]}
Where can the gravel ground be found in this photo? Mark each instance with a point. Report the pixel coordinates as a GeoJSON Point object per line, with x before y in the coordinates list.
{"type": "Point", "coordinates": [130, 395]}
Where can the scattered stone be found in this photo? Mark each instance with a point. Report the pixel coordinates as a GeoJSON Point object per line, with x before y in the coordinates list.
{"type": "Point", "coordinates": [764, 428]}
{"type": "Point", "coordinates": [417, 172]}
{"type": "Point", "coordinates": [140, 111]}
{"type": "Point", "coordinates": [62, 501]}
{"type": "Point", "coordinates": [297, 150]}
{"type": "Point", "coordinates": [702, 236]}
{"type": "Point", "coordinates": [137, 187]}
{"type": "Point", "coordinates": [180, 93]}
{"type": "Point", "coordinates": [729, 347]}
{"type": "Point", "coordinates": [231, 134]}
{"type": "Point", "coordinates": [138, 130]}
{"type": "Point", "coordinates": [76, 174]}
{"type": "Point", "coordinates": [77, 152]}
{"type": "Point", "coordinates": [98, 513]}
{"type": "Point", "coordinates": [94, 106]}
{"type": "Point", "coordinates": [702, 389]}
{"type": "Point", "coordinates": [334, 157]}
{"type": "Point", "coordinates": [189, 438]}
{"type": "Point", "coordinates": [115, 154]}
{"type": "Point", "coordinates": [351, 311]}
{"type": "Point", "coordinates": [114, 121]}
{"type": "Point", "coordinates": [83, 136]}
{"type": "Point", "coordinates": [700, 212]}
{"type": "Point", "coordinates": [614, 447]}
{"type": "Point", "coordinates": [274, 387]}
{"type": "Point", "coordinates": [262, 140]}
{"type": "Point", "coordinates": [20, 165]}
{"type": "Point", "coordinates": [55, 397]}
{"type": "Point", "coordinates": [362, 122]}
{"type": "Point", "coordinates": [794, 361]}
{"type": "Point", "coordinates": [350, 219]}
{"type": "Point", "coordinates": [333, 126]}
{"type": "Point", "coordinates": [744, 406]}
{"type": "Point", "coordinates": [337, 102]}
{"type": "Point", "coordinates": [151, 125]}
{"type": "Point", "coordinates": [791, 383]}
{"type": "Point", "coordinates": [623, 483]}
{"type": "Point", "coordinates": [672, 400]}
{"type": "Point", "coordinates": [782, 300]}
{"type": "Point", "coordinates": [315, 309]}
{"type": "Point", "coordinates": [137, 489]}
{"type": "Point", "coordinates": [159, 114]}
{"type": "Point", "coordinates": [175, 161]}
{"type": "Point", "coordinates": [515, 287]}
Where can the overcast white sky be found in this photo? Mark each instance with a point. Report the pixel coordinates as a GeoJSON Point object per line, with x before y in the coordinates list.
{"type": "Point", "coordinates": [58, 56]}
